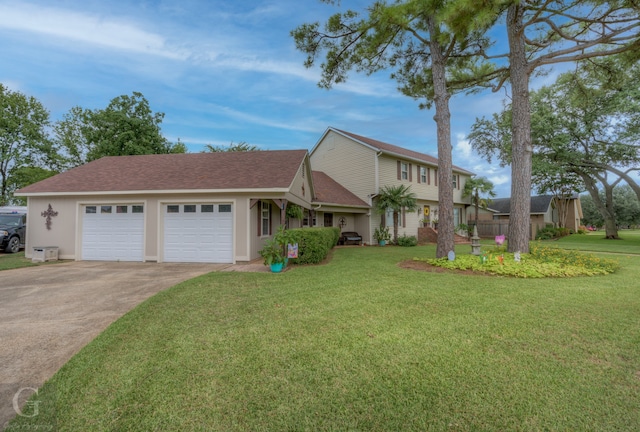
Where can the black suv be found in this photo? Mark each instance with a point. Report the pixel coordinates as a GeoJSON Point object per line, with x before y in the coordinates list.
{"type": "Point", "coordinates": [13, 231]}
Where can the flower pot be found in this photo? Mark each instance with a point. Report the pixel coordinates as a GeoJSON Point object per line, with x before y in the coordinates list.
{"type": "Point", "coordinates": [277, 267]}
{"type": "Point", "coordinates": [382, 242]}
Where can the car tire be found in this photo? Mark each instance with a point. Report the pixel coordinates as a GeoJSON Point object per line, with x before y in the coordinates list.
{"type": "Point", "coordinates": [13, 246]}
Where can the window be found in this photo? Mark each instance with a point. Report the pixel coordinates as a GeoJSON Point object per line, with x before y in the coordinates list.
{"type": "Point", "coordinates": [404, 171]}
{"type": "Point", "coordinates": [265, 214]}
{"type": "Point", "coordinates": [456, 216]}
{"type": "Point", "coordinates": [388, 217]}
{"type": "Point", "coordinates": [224, 208]}
{"type": "Point", "coordinates": [173, 209]}
{"type": "Point", "coordinates": [189, 208]}
{"type": "Point", "coordinates": [137, 209]}
{"type": "Point", "coordinates": [423, 174]}
{"type": "Point", "coordinates": [105, 209]}
{"type": "Point", "coordinates": [456, 179]}
{"type": "Point", "coordinates": [121, 209]}
{"type": "Point", "coordinates": [206, 208]}
{"type": "Point", "coordinates": [90, 209]}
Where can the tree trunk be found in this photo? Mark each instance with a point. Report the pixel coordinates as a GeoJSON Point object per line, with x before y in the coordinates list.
{"type": "Point", "coordinates": [605, 209]}
{"type": "Point", "coordinates": [522, 151]}
{"type": "Point", "coordinates": [446, 239]}
{"type": "Point", "coordinates": [396, 221]}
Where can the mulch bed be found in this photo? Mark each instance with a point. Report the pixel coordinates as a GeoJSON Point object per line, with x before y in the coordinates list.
{"type": "Point", "coordinates": [426, 267]}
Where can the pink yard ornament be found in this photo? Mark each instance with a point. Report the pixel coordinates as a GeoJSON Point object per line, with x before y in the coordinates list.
{"type": "Point", "coordinates": [500, 240]}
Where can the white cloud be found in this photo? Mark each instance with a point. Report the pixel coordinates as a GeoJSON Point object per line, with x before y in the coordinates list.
{"type": "Point", "coordinates": [86, 28]}
{"type": "Point", "coordinates": [498, 180]}
{"type": "Point", "coordinates": [462, 148]}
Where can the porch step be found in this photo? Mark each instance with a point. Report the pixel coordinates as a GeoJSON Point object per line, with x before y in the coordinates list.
{"type": "Point", "coordinates": [430, 235]}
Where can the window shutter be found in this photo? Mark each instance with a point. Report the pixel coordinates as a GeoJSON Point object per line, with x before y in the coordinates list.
{"type": "Point", "coordinates": [404, 218]}
{"type": "Point", "coordinates": [418, 172]}
{"type": "Point", "coordinates": [435, 177]}
{"type": "Point", "coordinates": [399, 171]}
{"type": "Point", "coordinates": [458, 181]}
{"type": "Point", "coordinates": [428, 176]}
{"type": "Point", "coordinates": [410, 173]}
{"type": "Point", "coordinates": [259, 207]}
{"type": "Point", "coordinates": [270, 221]}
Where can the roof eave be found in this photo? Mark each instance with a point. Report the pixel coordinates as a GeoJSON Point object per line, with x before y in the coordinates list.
{"type": "Point", "coordinates": [154, 192]}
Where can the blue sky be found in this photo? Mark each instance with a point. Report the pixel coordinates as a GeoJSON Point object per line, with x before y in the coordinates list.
{"type": "Point", "coordinates": [221, 71]}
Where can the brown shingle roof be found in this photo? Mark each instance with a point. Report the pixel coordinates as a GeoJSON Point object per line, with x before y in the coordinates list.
{"type": "Point", "coordinates": [208, 171]}
{"type": "Point", "coordinates": [330, 191]}
{"type": "Point", "coordinates": [390, 148]}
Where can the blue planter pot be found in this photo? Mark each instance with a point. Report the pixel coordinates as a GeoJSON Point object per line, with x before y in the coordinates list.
{"type": "Point", "coordinates": [382, 242]}
{"type": "Point", "coordinates": [277, 267]}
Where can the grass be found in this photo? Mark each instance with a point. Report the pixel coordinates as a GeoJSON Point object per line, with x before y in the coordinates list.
{"type": "Point", "coordinates": [17, 260]}
{"type": "Point", "coordinates": [629, 242]}
{"type": "Point", "coordinates": [362, 344]}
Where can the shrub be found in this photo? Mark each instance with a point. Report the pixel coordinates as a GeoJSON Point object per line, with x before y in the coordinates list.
{"type": "Point", "coordinates": [314, 244]}
{"type": "Point", "coordinates": [405, 240]}
{"type": "Point", "coordinates": [549, 232]}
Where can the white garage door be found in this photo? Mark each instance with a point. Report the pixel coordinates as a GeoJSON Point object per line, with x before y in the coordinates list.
{"type": "Point", "coordinates": [113, 232]}
{"type": "Point", "coordinates": [198, 233]}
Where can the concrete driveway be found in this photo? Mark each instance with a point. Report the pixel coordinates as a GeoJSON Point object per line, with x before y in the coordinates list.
{"type": "Point", "coordinates": [49, 312]}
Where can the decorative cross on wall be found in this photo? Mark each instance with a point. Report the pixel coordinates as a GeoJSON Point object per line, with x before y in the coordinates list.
{"type": "Point", "coordinates": [49, 214]}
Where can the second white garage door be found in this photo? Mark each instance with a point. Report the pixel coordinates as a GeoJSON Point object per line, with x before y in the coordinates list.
{"type": "Point", "coordinates": [198, 232]}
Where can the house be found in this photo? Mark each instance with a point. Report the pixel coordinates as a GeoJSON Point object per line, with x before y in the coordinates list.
{"type": "Point", "coordinates": [545, 210]}
{"type": "Point", "coordinates": [364, 166]}
{"type": "Point", "coordinates": [203, 207]}
{"type": "Point", "coordinates": [221, 207]}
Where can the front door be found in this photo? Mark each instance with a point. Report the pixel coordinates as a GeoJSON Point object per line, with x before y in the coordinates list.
{"type": "Point", "coordinates": [328, 219]}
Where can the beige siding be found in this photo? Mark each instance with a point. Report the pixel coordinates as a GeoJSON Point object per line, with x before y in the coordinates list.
{"type": "Point", "coordinates": [347, 162]}
{"type": "Point", "coordinates": [63, 226]}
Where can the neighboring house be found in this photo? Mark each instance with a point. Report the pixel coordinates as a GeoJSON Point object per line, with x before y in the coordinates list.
{"type": "Point", "coordinates": [364, 166]}
{"type": "Point", "coordinates": [221, 207]}
{"type": "Point", "coordinates": [545, 210]}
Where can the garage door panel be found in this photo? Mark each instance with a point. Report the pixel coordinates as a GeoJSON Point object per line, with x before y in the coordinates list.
{"type": "Point", "coordinates": [198, 236]}
{"type": "Point", "coordinates": [115, 236]}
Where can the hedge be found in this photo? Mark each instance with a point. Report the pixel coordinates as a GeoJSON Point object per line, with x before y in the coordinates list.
{"type": "Point", "coordinates": [314, 244]}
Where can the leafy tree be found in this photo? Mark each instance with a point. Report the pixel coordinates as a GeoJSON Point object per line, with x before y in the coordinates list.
{"type": "Point", "coordinates": [626, 207]}
{"type": "Point", "coordinates": [584, 132]}
{"type": "Point", "coordinates": [540, 34]}
{"type": "Point", "coordinates": [23, 138]}
{"type": "Point", "coordinates": [590, 214]}
{"type": "Point", "coordinates": [430, 52]}
{"type": "Point", "coordinates": [233, 147]}
{"type": "Point", "coordinates": [396, 198]}
{"type": "Point", "coordinates": [480, 189]}
{"type": "Point", "coordinates": [127, 126]}
{"type": "Point", "coordinates": [24, 176]}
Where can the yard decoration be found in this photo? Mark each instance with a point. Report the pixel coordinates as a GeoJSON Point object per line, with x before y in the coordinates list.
{"type": "Point", "coordinates": [48, 214]}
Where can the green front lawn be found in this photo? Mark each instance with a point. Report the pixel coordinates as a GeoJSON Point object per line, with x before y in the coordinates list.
{"type": "Point", "coordinates": [362, 344]}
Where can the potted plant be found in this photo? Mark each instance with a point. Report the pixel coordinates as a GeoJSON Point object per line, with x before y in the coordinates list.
{"type": "Point", "coordinates": [272, 252]}
{"type": "Point", "coordinates": [382, 235]}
